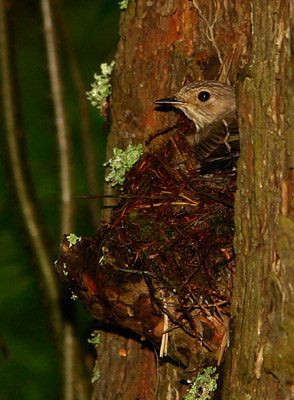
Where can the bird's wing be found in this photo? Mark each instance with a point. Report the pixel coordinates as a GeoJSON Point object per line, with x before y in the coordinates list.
{"type": "Point", "coordinates": [219, 140]}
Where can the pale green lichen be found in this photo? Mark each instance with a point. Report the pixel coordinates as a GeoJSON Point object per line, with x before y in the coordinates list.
{"type": "Point", "coordinates": [101, 87]}
{"type": "Point", "coordinates": [72, 239]}
{"type": "Point", "coordinates": [204, 384]}
{"type": "Point", "coordinates": [95, 373]}
{"type": "Point", "coordinates": [74, 297]}
{"type": "Point", "coordinates": [95, 341]}
{"type": "Point", "coordinates": [123, 4]}
{"type": "Point", "coordinates": [65, 272]}
{"type": "Point", "coordinates": [121, 162]}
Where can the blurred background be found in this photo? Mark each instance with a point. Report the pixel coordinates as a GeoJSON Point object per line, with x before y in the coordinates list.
{"type": "Point", "coordinates": [28, 364]}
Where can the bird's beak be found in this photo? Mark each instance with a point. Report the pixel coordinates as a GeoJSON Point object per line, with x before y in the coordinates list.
{"type": "Point", "coordinates": [172, 101]}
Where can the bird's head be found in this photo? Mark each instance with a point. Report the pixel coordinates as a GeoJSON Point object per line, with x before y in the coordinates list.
{"type": "Point", "coordinates": [204, 102]}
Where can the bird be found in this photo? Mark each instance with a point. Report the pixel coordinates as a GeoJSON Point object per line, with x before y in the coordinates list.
{"type": "Point", "coordinates": [211, 105]}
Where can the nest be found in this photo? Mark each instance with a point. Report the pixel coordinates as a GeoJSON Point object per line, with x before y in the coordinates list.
{"type": "Point", "coordinates": [163, 265]}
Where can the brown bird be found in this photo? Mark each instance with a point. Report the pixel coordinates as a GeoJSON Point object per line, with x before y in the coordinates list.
{"type": "Point", "coordinates": [211, 105]}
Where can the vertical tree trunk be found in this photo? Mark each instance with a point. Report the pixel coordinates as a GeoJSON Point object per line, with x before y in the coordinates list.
{"type": "Point", "coordinates": [165, 44]}
{"type": "Point", "coordinates": [261, 364]}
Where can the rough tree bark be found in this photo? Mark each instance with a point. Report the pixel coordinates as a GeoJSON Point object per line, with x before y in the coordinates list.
{"type": "Point", "coordinates": [261, 364]}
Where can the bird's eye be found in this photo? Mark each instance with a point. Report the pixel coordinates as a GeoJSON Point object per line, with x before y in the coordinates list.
{"type": "Point", "coordinates": [203, 96]}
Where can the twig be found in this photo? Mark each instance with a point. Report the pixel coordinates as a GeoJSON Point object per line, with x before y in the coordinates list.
{"type": "Point", "coordinates": [210, 36]}
{"type": "Point", "coordinates": [62, 128]}
{"type": "Point", "coordinates": [87, 145]}
{"type": "Point", "coordinates": [159, 133]}
{"type": "Point", "coordinates": [21, 181]}
{"type": "Point", "coordinates": [70, 350]}
{"type": "Point", "coordinates": [210, 196]}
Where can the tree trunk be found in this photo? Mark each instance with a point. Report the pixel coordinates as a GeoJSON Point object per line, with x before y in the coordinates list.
{"type": "Point", "coordinates": [260, 365]}
{"type": "Point", "coordinates": [164, 45]}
